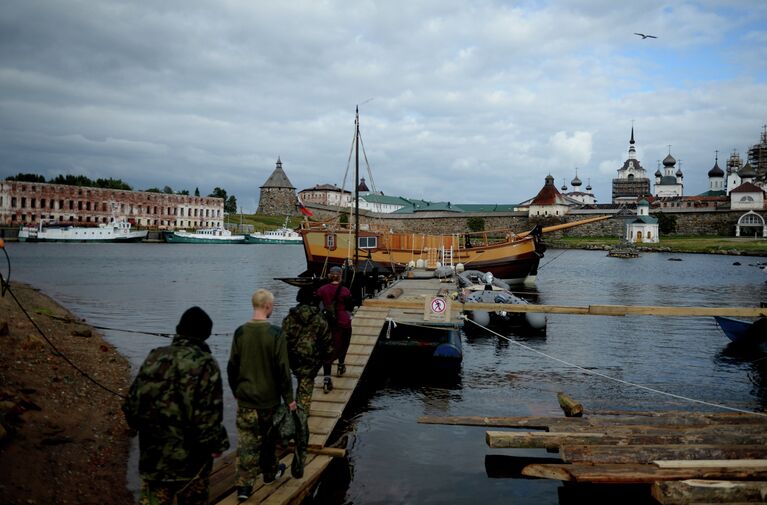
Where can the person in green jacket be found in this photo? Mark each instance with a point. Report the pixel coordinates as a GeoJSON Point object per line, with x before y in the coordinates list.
{"type": "Point", "coordinates": [259, 375]}
{"type": "Point", "coordinates": [310, 344]}
{"type": "Point", "coordinates": [176, 406]}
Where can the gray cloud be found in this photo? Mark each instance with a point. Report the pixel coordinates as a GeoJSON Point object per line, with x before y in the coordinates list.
{"type": "Point", "coordinates": [473, 101]}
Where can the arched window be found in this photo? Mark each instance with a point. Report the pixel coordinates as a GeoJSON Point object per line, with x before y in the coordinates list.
{"type": "Point", "coordinates": [747, 198]}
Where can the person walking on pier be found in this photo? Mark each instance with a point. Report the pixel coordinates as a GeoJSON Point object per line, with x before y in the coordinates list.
{"type": "Point", "coordinates": [310, 344]}
{"type": "Point", "coordinates": [176, 406]}
{"type": "Point", "coordinates": [335, 296]}
{"type": "Point", "coordinates": [259, 375]}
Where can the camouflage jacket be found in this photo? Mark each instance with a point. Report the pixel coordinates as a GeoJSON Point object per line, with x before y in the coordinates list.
{"type": "Point", "coordinates": [309, 339]}
{"type": "Point", "coordinates": [176, 405]}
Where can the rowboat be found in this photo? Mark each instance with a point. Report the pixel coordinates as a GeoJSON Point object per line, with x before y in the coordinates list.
{"type": "Point", "coordinates": [744, 333]}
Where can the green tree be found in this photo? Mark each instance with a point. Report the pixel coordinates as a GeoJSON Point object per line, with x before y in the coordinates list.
{"type": "Point", "coordinates": [666, 223]}
{"type": "Point", "coordinates": [153, 190]}
{"type": "Point", "coordinates": [218, 193]}
{"type": "Point", "coordinates": [26, 178]}
{"type": "Point", "coordinates": [196, 191]}
{"type": "Point", "coordinates": [183, 192]}
{"type": "Point", "coordinates": [476, 223]}
{"type": "Point", "coordinates": [167, 190]}
{"type": "Point", "coordinates": [230, 206]}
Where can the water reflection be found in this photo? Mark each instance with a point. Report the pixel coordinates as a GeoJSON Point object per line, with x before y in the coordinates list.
{"type": "Point", "coordinates": [393, 458]}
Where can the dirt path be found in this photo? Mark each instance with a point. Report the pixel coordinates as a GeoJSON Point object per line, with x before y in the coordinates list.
{"type": "Point", "coordinates": [63, 440]}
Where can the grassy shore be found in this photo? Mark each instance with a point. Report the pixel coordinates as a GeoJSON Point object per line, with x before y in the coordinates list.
{"type": "Point", "coordinates": [687, 244]}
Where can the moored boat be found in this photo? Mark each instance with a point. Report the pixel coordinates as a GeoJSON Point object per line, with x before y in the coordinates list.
{"type": "Point", "coordinates": [482, 287]}
{"type": "Point", "coordinates": [204, 236]}
{"type": "Point", "coordinates": [117, 230]}
{"type": "Point", "coordinates": [744, 333]}
{"type": "Point", "coordinates": [282, 235]}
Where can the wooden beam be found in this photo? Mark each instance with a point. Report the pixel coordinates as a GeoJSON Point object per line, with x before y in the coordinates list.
{"type": "Point", "coordinates": [570, 407]}
{"type": "Point", "coordinates": [712, 463]}
{"type": "Point", "coordinates": [554, 440]}
{"type": "Point", "coordinates": [645, 454]}
{"type": "Point", "coordinates": [638, 474]}
{"type": "Point", "coordinates": [708, 491]}
{"type": "Point", "coordinates": [560, 423]}
{"type": "Point", "coordinates": [594, 310]}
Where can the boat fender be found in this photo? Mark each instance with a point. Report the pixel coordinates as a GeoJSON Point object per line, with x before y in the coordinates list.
{"type": "Point", "coordinates": [459, 267]}
{"type": "Point", "coordinates": [420, 263]}
{"type": "Point", "coordinates": [411, 264]}
{"type": "Point", "coordinates": [536, 320]}
{"type": "Point", "coordinates": [481, 317]}
{"type": "Point", "coordinates": [448, 350]}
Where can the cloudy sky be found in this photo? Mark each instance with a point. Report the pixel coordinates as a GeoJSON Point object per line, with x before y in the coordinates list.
{"type": "Point", "coordinates": [461, 101]}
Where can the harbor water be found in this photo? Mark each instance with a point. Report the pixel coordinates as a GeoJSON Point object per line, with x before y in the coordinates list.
{"type": "Point", "coordinates": [393, 459]}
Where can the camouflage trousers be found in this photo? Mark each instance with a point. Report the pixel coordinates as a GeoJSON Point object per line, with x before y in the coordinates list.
{"type": "Point", "coordinates": [304, 400]}
{"type": "Point", "coordinates": [193, 492]}
{"type": "Point", "coordinates": [256, 448]}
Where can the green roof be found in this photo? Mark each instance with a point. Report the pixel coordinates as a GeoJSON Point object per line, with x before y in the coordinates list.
{"type": "Point", "coordinates": [721, 192]}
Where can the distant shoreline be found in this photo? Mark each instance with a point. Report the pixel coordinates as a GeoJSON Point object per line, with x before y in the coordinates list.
{"type": "Point", "coordinates": [729, 246]}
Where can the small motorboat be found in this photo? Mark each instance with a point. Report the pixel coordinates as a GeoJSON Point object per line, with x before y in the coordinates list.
{"type": "Point", "coordinates": [483, 287]}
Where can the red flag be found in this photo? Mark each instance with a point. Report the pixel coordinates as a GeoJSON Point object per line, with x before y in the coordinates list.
{"type": "Point", "coordinates": [303, 209]}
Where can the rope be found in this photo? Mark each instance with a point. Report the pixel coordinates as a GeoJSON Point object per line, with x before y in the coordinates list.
{"type": "Point", "coordinates": [615, 379]}
{"type": "Point", "coordinates": [55, 349]}
{"type": "Point", "coordinates": [552, 259]}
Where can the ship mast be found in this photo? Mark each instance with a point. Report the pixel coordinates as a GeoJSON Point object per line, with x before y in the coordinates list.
{"type": "Point", "coordinates": [356, 188]}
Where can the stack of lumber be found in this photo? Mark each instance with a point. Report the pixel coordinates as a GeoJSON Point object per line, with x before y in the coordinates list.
{"type": "Point", "coordinates": [685, 456]}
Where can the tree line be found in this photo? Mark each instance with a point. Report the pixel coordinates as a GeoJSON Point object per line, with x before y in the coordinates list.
{"type": "Point", "coordinates": [230, 202]}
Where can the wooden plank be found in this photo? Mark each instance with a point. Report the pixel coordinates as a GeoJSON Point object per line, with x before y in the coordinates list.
{"type": "Point", "coordinates": [637, 474]}
{"type": "Point", "coordinates": [364, 340]}
{"type": "Point", "coordinates": [554, 440]}
{"type": "Point", "coordinates": [338, 382]}
{"type": "Point", "coordinates": [712, 463]}
{"type": "Point", "coordinates": [357, 359]}
{"type": "Point", "coordinates": [295, 490]}
{"type": "Point", "coordinates": [356, 348]}
{"type": "Point", "coordinates": [562, 423]}
{"type": "Point", "coordinates": [322, 425]}
{"type": "Point", "coordinates": [335, 396]}
{"type": "Point", "coordinates": [708, 491]}
{"type": "Point", "coordinates": [688, 430]}
{"type": "Point", "coordinates": [599, 454]}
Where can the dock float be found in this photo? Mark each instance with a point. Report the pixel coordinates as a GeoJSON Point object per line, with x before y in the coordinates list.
{"type": "Point", "coordinates": [685, 457]}
{"type": "Point", "coordinates": [368, 323]}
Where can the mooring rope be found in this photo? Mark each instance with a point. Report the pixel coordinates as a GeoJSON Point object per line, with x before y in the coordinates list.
{"type": "Point", "coordinates": [615, 379]}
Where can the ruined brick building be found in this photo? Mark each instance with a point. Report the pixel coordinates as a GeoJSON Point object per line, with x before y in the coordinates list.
{"type": "Point", "coordinates": [28, 203]}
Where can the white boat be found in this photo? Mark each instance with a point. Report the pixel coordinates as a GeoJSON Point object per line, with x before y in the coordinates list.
{"type": "Point", "coordinates": [117, 230]}
{"type": "Point", "coordinates": [204, 236]}
{"type": "Point", "coordinates": [283, 235]}
{"type": "Point", "coordinates": [482, 287]}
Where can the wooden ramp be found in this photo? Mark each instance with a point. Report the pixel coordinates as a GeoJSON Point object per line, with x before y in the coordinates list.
{"type": "Point", "coordinates": [685, 456]}
{"type": "Point", "coordinates": [324, 415]}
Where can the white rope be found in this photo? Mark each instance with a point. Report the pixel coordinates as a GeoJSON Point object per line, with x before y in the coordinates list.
{"type": "Point", "coordinates": [615, 379]}
{"type": "Point", "coordinates": [389, 323]}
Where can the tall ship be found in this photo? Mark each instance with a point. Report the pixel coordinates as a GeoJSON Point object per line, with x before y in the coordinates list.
{"type": "Point", "coordinates": [513, 257]}
{"type": "Point", "coordinates": [117, 230]}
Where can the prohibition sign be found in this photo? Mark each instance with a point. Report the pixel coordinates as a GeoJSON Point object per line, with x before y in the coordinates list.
{"type": "Point", "coordinates": [438, 305]}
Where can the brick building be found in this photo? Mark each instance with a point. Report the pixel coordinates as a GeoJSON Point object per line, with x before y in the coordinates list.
{"type": "Point", "coordinates": [27, 203]}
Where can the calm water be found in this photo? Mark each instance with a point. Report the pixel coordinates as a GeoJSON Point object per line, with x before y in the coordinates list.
{"type": "Point", "coordinates": [393, 459]}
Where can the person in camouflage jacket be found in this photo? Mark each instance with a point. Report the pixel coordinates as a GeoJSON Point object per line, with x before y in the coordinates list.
{"type": "Point", "coordinates": [176, 406]}
{"type": "Point", "coordinates": [310, 344]}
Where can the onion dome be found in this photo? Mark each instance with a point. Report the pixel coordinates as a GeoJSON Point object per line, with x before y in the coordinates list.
{"type": "Point", "coordinates": [588, 186]}
{"type": "Point", "coordinates": [716, 171]}
{"type": "Point", "coordinates": [746, 171]}
{"type": "Point", "coordinates": [669, 161]}
{"type": "Point", "coordinates": [679, 173]}
{"type": "Point", "coordinates": [564, 187]}
{"type": "Point", "coordinates": [658, 173]}
{"type": "Point", "coordinates": [576, 182]}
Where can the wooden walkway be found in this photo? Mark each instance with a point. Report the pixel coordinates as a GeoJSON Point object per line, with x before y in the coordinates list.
{"type": "Point", "coordinates": [685, 456]}
{"type": "Point", "coordinates": [324, 415]}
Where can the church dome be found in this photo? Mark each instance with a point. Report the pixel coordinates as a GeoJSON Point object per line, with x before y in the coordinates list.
{"type": "Point", "coordinates": [669, 161]}
{"type": "Point", "coordinates": [576, 182]}
{"type": "Point", "coordinates": [549, 180]}
{"type": "Point", "coordinates": [658, 173]}
{"type": "Point", "coordinates": [679, 173]}
{"type": "Point", "coordinates": [716, 171]}
{"type": "Point", "coordinates": [746, 171]}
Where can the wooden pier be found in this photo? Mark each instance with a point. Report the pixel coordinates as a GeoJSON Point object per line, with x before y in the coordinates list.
{"type": "Point", "coordinates": [685, 457]}
{"type": "Point", "coordinates": [327, 408]}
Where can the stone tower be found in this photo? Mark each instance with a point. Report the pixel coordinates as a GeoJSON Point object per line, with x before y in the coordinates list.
{"type": "Point", "coordinates": [278, 196]}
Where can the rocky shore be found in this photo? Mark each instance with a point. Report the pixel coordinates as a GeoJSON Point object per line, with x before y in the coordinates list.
{"type": "Point", "coordinates": [63, 439]}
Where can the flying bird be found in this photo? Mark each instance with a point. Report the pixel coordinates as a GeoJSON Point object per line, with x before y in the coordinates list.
{"type": "Point", "coordinates": [645, 36]}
